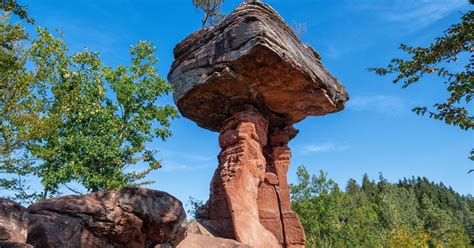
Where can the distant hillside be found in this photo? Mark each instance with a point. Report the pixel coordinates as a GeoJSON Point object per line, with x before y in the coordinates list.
{"type": "Point", "coordinates": [411, 213]}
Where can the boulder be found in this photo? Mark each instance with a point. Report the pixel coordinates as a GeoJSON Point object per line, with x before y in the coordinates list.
{"type": "Point", "coordinates": [128, 217]}
{"type": "Point", "coordinates": [7, 244]}
{"type": "Point", "coordinates": [13, 224]}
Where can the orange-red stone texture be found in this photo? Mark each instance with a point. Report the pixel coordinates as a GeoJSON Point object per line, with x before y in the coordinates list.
{"type": "Point", "coordinates": [250, 78]}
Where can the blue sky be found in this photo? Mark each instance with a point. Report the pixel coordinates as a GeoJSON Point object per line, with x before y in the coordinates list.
{"type": "Point", "coordinates": [376, 133]}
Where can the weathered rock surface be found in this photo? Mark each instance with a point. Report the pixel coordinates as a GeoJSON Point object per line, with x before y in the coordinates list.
{"type": "Point", "coordinates": [274, 203]}
{"type": "Point", "coordinates": [13, 224]}
{"type": "Point", "coordinates": [251, 79]}
{"type": "Point", "coordinates": [128, 217]}
{"type": "Point", "coordinates": [241, 169]}
{"type": "Point", "coordinates": [7, 244]}
{"type": "Point", "coordinates": [248, 162]}
{"type": "Point", "coordinates": [199, 237]}
{"type": "Point", "coordinates": [203, 241]}
{"type": "Point", "coordinates": [253, 57]}
{"type": "Point", "coordinates": [195, 227]}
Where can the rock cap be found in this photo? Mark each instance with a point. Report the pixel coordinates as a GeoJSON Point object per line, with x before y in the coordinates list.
{"type": "Point", "coordinates": [252, 58]}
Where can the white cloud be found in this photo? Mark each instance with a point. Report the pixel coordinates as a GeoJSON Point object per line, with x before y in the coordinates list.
{"type": "Point", "coordinates": [325, 147]}
{"type": "Point", "coordinates": [380, 104]}
{"type": "Point", "coordinates": [194, 157]}
{"type": "Point", "coordinates": [420, 14]}
{"type": "Point", "coordinates": [413, 15]}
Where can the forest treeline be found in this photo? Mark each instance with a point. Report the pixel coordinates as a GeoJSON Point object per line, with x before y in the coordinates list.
{"type": "Point", "coordinates": [413, 212]}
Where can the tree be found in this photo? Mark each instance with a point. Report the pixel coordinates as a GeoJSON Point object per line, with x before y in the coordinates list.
{"type": "Point", "coordinates": [18, 107]}
{"type": "Point", "coordinates": [17, 9]}
{"type": "Point", "coordinates": [411, 213]}
{"type": "Point", "coordinates": [67, 117]}
{"type": "Point", "coordinates": [211, 9]}
{"type": "Point", "coordinates": [455, 46]}
{"type": "Point", "coordinates": [193, 206]}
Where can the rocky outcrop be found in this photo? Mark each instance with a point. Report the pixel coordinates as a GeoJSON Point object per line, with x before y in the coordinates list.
{"type": "Point", "coordinates": [195, 227]}
{"type": "Point", "coordinates": [13, 224]}
{"type": "Point", "coordinates": [203, 241]}
{"type": "Point", "coordinates": [274, 203]}
{"type": "Point", "coordinates": [199, 237]}
{"type": "Point", "coordinates": [128, 217]}
{"type": "Point", "coordinates": [250, 188]}
{"type": "Point", "coordinates": [252, 57]}
{"type": "Point", "coordinates": [250, 78]}
{"type": "Point", "coordinates": [241, 168]}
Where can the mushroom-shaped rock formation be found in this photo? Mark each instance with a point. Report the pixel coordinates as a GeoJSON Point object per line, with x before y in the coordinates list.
{"type": "Point", "coordinates": [251, 79]}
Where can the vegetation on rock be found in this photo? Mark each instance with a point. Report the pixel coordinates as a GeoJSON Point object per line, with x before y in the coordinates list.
{"type": "Point", "coordinates": [211, 9]}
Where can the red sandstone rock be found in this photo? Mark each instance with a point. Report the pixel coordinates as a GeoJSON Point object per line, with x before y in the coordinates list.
{"type": "Point", "coordinates": [129, 217]}
{"type": "Point", "coordinates": [241, 169]}
{"type": "Point", "coordinates": [250, 195]}
{"type": "Point", "coordinates": [274, 194]}
{"type": "Point", "coordinates": [199, 237]}
{"type": "Point", "coordinates": [195, 227]}
{"type": "Point", "coordinates": [13, 224]}
{"type": "Point", "coordinates": [252, 57]}
{"type": "Point", "coordinates": [203, 241]}
{"type": "Point", "coordinates": [251, 79]}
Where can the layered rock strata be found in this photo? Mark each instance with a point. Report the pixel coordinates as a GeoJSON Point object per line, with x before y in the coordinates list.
{"type": "Point", "coordinates": [232, 210]}
{"type": "Point", "coordinates": [252, 57]}
{"type": "Point", "coordinates": [274, 203]}
{"type": "Point", "coordinates": [128, 217]}
{"type": "Point", "coordinates": [250, 78]}
{"type": "Point", "coordinates": [250, 195]}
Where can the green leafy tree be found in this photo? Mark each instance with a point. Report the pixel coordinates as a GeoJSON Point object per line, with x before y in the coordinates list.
{"type": "Point", "coordinates": [17, 9]}
{"type": "Point", "coordinates": [211, 9]}
{"type": "Point", "coordinates": [19, 109]}
{"type": "Point", "coordinates": [193, 206]}
{"type": "Point", "coordinates": [66, 117]}
{"type": "Point", "coordinates": [410, 213]}
{"type": "Point", "coordinates": [319, 217]}
{"type": "Point", "coordinates": [454, 47]}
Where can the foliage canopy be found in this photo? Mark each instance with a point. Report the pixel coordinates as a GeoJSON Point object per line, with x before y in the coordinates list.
{"type": "Point", "coordinates": [443, 58]}
{"type": "Point", "coordinates": [411, 213]}
{"type": "Point", "coordinates": [66, 117]}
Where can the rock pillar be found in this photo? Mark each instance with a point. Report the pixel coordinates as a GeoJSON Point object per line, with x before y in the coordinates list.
{"type": "Point", "coordinates": [253, 58]}
{"type": "Point", "coordinates": [274, 193]}
{"type": "Point", "coordinates": [250, 195]}
{"type": "Point", "coordinates": [232, 210]}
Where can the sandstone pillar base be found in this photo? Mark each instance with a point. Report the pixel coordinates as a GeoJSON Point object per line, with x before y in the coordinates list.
{"type": "Point", "coordinates": [250, 195]}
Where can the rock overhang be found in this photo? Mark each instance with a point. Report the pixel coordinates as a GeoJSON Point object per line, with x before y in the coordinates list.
{"type": "Point", "coordinates": [251, 58]}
